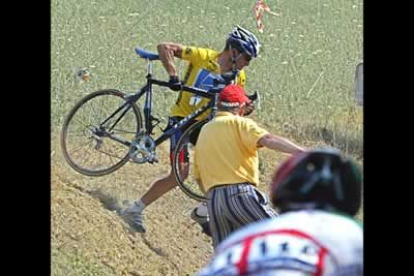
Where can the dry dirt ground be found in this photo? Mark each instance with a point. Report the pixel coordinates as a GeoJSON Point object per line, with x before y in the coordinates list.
{"type": "Point", "coordinates": [89, 238]}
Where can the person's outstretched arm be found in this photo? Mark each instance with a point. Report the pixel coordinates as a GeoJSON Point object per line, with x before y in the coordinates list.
{"type": "Point", "coordinates": [275, 142]}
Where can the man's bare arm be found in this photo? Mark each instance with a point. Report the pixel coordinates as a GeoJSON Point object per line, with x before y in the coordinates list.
{"type": "Point", "coordinates": [275, 142]}
{"type": "Point", "coordinates": [167, 51]}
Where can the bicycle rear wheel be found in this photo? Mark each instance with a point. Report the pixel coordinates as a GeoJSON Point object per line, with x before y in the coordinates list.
{"type": "Point", "coordinates": [184, 156]}
{"type": "Point", "coordinates": [94, 145]}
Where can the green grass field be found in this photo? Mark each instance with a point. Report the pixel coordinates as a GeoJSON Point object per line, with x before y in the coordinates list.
{"type": "Point", "coordinates": [305, 74]}
{"type": "Point", "coordinates": [305, 71]}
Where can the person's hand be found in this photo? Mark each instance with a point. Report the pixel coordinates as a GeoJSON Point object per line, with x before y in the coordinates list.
{"type": "Point", "coordinates": [249, 109]}
{"type": "Point", "coordinates": [175, 83]}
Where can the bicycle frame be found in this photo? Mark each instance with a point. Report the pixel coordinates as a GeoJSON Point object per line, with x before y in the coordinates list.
{"type": "Point", "coordinates": [148, 118]}
{"type": "Point", "coordinates": [186, 121]}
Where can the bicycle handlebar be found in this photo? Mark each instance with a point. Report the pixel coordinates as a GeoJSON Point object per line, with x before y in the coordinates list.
{"type": "Point", "coordinates": [207, 93]}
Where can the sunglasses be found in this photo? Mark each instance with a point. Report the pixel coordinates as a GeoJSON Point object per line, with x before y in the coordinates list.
{"type": "Point", "coordinates": [245, 56]}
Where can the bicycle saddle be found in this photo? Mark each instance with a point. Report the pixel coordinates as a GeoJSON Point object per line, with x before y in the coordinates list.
{"type": "Point", "coordinates": [145, 54]}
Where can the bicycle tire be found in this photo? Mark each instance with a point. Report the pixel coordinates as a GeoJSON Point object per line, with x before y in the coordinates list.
{"type": "Point", "coordinates": [85, 145]}
{"type": "Point", "coordinates": [188, 185]}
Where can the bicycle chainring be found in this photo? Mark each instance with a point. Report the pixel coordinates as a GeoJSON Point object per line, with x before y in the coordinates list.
{"type": "Point", "coordinates": [142, 149]}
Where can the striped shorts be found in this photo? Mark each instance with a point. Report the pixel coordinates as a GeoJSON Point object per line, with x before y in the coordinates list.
{"type": "Point", "coordinates": [233, 206]}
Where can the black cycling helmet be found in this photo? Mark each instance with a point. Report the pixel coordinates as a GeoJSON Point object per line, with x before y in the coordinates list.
{"type": "Point", "coordinates": [244, 41]}
{"type": "Point", "coordinates": [320, 179]}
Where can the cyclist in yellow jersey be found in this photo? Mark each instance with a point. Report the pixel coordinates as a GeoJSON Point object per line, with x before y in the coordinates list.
{"type": "Point", "coordinates": [200, 72]}
{"type": "Point", "coordinates": [241, 46]}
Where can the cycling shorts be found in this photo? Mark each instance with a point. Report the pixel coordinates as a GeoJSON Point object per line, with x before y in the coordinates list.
{"type": "Point", "coordinates": [184, 157]}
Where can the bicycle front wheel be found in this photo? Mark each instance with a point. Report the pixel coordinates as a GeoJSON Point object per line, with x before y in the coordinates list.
{"type": "Point", "coordinates": [95, 139]}
{"type": "Point", "coordinates": [183, 162]}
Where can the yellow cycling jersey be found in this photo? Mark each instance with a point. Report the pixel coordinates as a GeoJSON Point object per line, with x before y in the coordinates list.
{"type": "Point", "coordinates": [199, 73]}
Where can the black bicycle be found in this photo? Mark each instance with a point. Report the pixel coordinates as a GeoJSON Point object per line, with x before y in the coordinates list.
{"type": "Point", "coordinates": [105, 129]}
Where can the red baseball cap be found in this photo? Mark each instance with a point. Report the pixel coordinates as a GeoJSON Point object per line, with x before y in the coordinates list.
{"type": "Point", "coordinates": [233, 95]}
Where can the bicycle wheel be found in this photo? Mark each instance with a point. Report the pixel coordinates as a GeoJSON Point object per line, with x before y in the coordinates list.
{"type": "Point", "coordinates": [94, 145]}
{"type": "Point", "coordinates": [184, 156]}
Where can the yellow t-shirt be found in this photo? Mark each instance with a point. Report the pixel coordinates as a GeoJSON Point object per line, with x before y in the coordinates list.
{"type": "Point", "coordinates": [226, 151]}
{"type": "Point", "coordinates": [199, 73]}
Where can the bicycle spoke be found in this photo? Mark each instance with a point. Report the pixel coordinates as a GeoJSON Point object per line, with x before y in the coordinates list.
{"type": "Point", "coordinates": [76, 133]}
{"type": "Point", "coordinates": [78, 148]}
{"type": "Point", "coordinates": [81, 123]}
{"type": "Point", "coordinates": [85, 148]}
{"type": "Point", "coordinates": [111, 157]}
{"type": "Point", "coordinates": [94, 115]}
{"type": "Point", "coordinates": [102, 154]}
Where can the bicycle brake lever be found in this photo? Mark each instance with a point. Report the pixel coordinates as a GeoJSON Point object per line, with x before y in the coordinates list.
{"type": "Point", "coordinates": [255, 97]}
